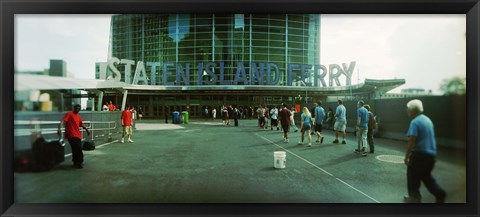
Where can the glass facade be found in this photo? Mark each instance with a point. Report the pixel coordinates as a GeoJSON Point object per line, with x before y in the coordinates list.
{"type": "Point", "coordinates": [228, 39]}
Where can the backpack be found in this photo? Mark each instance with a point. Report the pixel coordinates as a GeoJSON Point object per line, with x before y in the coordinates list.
{"type": "Point", "coordinates": [372, 121]}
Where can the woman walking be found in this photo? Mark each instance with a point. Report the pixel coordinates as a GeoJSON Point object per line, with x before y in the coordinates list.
{"type": "Point", "coordinates": [306, 118]}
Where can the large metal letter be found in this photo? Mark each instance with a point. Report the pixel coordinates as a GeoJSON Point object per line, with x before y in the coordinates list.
{"type": "Point", "coordinates": [185, 74]}
{"type": "Point", "coordinates": [166, 74]}
{"type": "Point", "coordinates": [276, 74]}
{"type": "Point", "coordinates": [140, 74]}
{"type": "Point", "coordinates": [291, 73]}
{"type": "Point", "coordinates": [256, 73]}
{"type": "Point", "coordinates": [348, 71]}
{"type": "Point", "coordinates": [153, 72]}
{"type": "Point", "coordinates": [116, 75]}
{"type": "Point", "coordinates": [334, 76]}
{"type": "Point", "coordinates": [306, 74]}
{"type": "Point", "coordinates": [128, 69]}
{"type": "Point", "coordinates": [210, 68]}
{"type": "Point", "coordinates": [320, 76]}
{"type": "Point", "coordinates": [241, 75]}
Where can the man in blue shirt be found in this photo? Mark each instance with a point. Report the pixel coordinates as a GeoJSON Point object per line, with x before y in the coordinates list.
{"type": "Point", "coordinates": [318, 114]}
{"type": "Point", "coordinates": [340, 121]}
{"type": "Point", "coordinates": [361, 128]}
{"type": "Point", "coordinates": [420, 155]}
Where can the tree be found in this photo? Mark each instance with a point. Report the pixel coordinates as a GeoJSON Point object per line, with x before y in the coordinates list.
{"type": "Point", "coordinates": [454, 86]}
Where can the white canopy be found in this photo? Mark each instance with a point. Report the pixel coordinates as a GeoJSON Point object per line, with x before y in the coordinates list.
{"type": "Point", "coordinates": [43, 82]}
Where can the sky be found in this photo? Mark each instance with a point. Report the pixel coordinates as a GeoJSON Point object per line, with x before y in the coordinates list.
{"type": "Point", "coordinates": [422, 49]}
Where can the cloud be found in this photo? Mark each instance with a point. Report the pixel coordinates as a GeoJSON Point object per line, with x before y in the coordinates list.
{"type": "Point", "coordinates": [80, 40]}
{"type": "Point", "coordinates": [413, 47]}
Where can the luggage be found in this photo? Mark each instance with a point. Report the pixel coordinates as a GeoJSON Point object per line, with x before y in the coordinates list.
{"type": "Point", "coordinates": [88, 145]}
{"type": "Point", "coordinates": [23, 161]}
{"type": "Point", "coordinates": [58, 148]}
{"type": "Point", "coordinates": [47, 154]}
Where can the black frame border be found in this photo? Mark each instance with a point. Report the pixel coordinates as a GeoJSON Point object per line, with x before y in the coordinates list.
{"type": "Point", "coordinates": [8, 8]}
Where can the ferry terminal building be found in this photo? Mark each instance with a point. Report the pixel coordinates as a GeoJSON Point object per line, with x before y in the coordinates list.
{"type": "Point", "coordinates": [185, 62]}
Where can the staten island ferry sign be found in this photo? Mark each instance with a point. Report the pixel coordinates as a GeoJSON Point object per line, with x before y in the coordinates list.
{"type": "Point", "coordinates": [213, 73]}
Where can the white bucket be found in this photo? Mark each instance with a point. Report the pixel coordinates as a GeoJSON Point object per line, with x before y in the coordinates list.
{"type": "Point", "coordinates": [279, 159]}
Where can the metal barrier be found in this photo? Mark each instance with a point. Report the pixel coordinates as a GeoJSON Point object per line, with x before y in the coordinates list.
{"type": "Point", "coordinates": [25, 130]}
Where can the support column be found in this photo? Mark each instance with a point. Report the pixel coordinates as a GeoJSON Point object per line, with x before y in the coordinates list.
{"type": "Point", "coordinates": [100, 101]}
{"type": "Point", "coordinates": [124, 101]}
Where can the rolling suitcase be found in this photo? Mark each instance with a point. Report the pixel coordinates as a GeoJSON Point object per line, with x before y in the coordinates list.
{"type": "Point", "coordinates": [47, 154]}
{"type": "Point", "coordinates": [88, 145]}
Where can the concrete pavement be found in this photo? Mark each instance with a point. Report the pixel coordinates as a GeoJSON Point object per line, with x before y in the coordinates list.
{"type": "Point", "coordinates": [206, 162]}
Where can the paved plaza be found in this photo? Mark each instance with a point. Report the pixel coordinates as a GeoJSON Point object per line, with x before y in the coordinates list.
{"type": "Point", "coordinates": [206, 162]}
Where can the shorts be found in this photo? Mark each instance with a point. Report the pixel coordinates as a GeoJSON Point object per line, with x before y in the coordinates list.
{"type": "Point", "coordinates": [318, 127]}
{"type": "Point", "coordinates": [127, 130]}
{"type": "Point", "coordinates": [306, 127]}
{"type": "Point", "coordinates": [340, 126]}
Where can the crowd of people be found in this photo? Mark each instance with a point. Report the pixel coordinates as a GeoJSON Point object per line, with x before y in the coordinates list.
{"type": "Point", "coordinates": [419, 156]}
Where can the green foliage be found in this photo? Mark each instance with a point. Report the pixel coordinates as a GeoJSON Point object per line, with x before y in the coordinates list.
{"type": "Point", "coordinates": [454, 86]}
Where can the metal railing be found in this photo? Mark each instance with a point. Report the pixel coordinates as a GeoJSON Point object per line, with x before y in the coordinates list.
{"type": "Point", "coordinates": [25, 129]}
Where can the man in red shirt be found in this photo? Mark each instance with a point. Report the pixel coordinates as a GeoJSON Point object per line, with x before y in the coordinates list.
{"type": "Point", "coordinates": [127, 123]}
{"type": "Point", "coordinates": [72, 122]}
{"type": "Point", "coordinates": [284, 116]}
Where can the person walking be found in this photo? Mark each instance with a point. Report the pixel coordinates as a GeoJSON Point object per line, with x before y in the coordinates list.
{"type": "Point", "coordinates": [266, 116]}
{"type": "Point", "coordinates": [372, 125]}
{"type": "Point", "coordinates": [318, 117]}
{"type": "Point", "coordinates": [72, 122]}
{"type": "Point", "coordinates": [226, 119]}
{"type": "Point", "coordinates": [361, 128]}
{"type": "Point", "coordinates": [166, 113]}
{"type": "Point", "coordinates": [292, 119]}
{"type": "Point", "coordinates": [134, 116]}
{"type": "Point", "coordinates": [306, 118]}
{"type": "Point", "coordinates": [214, 113]}
{"type": "Point", "coordinates": [340, 121]}
{"type": "Point", "coordinates": [420, 155]}
{"type": "Point", "coordinates": [284, 117]}
{"type": "Point", "coordinates": [274, 118]}
{"type": "Point", "coordinates": [236, 115]}
{"type": "Point", "coordinates": [140, 113]}
{"type": "Point", "coordinates": [127, 124]}
{"type": "Point", "coordinates": [261, 116]}
{"type": "Point", "coordinates": [330, 118]}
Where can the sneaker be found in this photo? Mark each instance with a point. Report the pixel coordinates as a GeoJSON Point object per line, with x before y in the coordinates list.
{"type": "Point", "coordinates": [317, 141]}
{"type": "Point", "coordinates": [408, 199]}
{"type": "Point", "coordinates": [321, 140]}
{"type": "Point", "coordinates": [309, 144]}
{"type": "Point", "coordinates": [122, 141]}
{"type": "Point", "coordinates": [440, 199]}
{"type": "Point", "coordinates": [335, 141]}
{"type": "Point", "coordinates": [343, 142]}
{"type": "Point", "coordinates": [364, 154]}
{"type": "Point", "coordinates": [286, 140]}
{"type": "Point", "coordinates": [300, 143]}
{"type": "Point", "coordinates": [130, 140]}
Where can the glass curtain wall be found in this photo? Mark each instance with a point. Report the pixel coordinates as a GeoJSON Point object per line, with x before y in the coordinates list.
{"type": "Point", "coordinates": [227, 39]}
